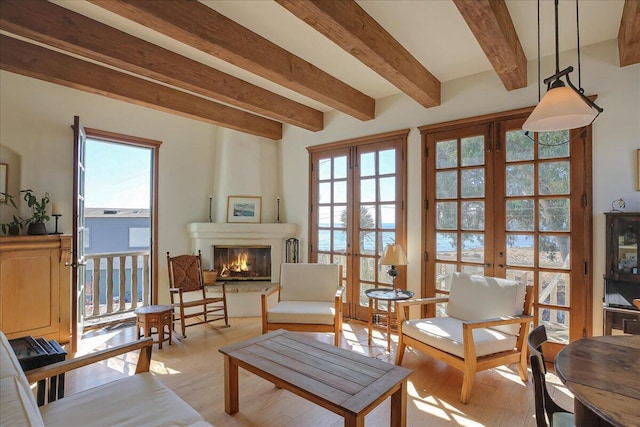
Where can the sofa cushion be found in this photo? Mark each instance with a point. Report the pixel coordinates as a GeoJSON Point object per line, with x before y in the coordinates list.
{"type": "Point", "coordinates": [18, 405]}
{"type": "Point", "coordinates": [479, 297]}
{"type": "Point", "coordinates": [309, 282]}
{"type": "Point", "coordinates": [314, 312]}
{"type": "Point", "coordinates": [139, 400]}
{"type": "Point", "coordinates": [16, 408]}
{"type": "Point", "coordinates": [445, 333]}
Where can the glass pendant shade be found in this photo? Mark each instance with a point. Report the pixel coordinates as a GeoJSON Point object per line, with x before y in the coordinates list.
{"type": "Point", "coordinates": [561, 108]}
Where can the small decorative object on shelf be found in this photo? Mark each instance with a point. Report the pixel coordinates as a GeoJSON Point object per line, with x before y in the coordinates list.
{"type": "Point", "coordinates": [55, 212]}
{"type": "Point", "coordinates": [210, 203]}
{"type": "Point", "coordinates": [617, 205]}
{"type": "Point", "coordinates": [278, 206]}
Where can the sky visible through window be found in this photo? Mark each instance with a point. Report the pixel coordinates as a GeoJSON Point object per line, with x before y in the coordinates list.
{"type": "Point", "coordinates": [117, 175]}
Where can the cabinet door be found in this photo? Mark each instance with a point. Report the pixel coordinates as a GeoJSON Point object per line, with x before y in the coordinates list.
{"type": "Point", "coordinates": [29, 293]}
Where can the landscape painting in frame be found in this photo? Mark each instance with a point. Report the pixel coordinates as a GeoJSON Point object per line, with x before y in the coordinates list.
{"type": "Point", "coordinates": [244, 208]}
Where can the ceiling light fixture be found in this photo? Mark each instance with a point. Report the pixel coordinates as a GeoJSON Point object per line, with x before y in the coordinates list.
{"type": "Point", "coordinates": [563, 106]}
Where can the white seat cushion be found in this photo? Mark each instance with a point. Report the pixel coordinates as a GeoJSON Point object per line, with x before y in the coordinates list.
{"type": "Point", "coordinates": [139, 400]}
{"type": "Point", "coordinates": [445, 333]}
{"type": "Point", "coordinates": [18, 406]}
{"type": "Point", "coordinates": [309, 282]}
{"type": "Point", "coordinates": [479, 297]}
{"type": "Point", "coordinates": [313, 312]}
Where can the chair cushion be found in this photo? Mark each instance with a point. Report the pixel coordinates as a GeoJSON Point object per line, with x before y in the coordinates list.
{"type": "Point", "coordinates": [309, 282]}
{"type": "Point", "coordinates": [139, 400]}
{"type": "Point", "coordinates": [16, 408]}
{"type": "Point", "coordinates": [479, 297]}
{"type": "Point", "coordinates": [310, 312]}
{"type": "Point", "coordinates": [445, 333]}
{"type": "Point", "coordinates": [18, 405]}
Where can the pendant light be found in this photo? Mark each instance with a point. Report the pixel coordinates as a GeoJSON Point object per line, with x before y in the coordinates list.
{"type": "Point", "coordinates": [563, 106]}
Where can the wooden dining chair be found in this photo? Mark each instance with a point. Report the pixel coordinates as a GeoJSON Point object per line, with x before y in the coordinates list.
{"type": "Point", "coordinates": [546, 407]}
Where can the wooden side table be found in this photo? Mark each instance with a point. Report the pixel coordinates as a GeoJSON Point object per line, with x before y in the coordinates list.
{"type": "Point", "coordinates": [154, 316]}
{"type": "Point", "coordinates": [384, 317]}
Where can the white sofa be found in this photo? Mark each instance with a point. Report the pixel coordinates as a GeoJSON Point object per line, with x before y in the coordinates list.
{"type": "Point", "coordinates": [138, 400]}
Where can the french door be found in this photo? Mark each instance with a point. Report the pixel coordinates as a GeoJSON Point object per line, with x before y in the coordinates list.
{"type": "Point", "coordinates": [502, 203]}
{"type": "Point", "coordinates": [357, 207]}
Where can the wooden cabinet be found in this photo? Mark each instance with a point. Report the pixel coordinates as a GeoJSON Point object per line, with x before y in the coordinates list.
{"type": "Point", "coordinates": [35, 287]}
{"type": "Point", "coordinates": [622, 276]}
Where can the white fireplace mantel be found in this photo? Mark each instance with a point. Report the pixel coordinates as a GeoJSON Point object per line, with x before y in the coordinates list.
{"type": "Point", "coordinates": [204, 235]}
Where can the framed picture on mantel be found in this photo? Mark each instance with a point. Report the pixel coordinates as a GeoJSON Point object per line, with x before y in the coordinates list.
{"type": "Point", "coordinates": [244, 208]}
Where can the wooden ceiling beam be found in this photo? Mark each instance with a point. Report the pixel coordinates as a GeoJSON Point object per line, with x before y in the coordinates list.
{"type": "Point", "coordinates": [34, 61]}
{"type": "Point", "coordinates": [201, 27]}
{"type": "Point", "coordinates": [350, 27]}
{"type": "Point", "coordinates": [56, 26]}
{"type": "Point", "coordinates": [629, 34]}
{"type": "Point", "coordinates": [491, 24]}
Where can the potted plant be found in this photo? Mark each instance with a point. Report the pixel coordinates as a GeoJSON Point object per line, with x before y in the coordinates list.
{"type": "Point", "coordinates": [38, 207]}
{"type": "Point", "coordinates": [16, 224]}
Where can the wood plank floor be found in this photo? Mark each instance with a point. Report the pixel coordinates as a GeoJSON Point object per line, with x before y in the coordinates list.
{"type": "Point", "coordinates": [193, 369]}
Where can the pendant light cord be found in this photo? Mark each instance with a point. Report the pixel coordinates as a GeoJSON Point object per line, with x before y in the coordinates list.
{"type": "Point", "coordinates": [578, 38]}
{"type": "Point", "coordinates": [539, 75]}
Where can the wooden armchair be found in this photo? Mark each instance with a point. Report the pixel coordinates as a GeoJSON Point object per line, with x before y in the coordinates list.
{"type": "Point", "coordinates": [309, 300]}
{"type": "Point", "coordinates": [486, 326]}
{"type": "Point", "coordinates": [188, 293]}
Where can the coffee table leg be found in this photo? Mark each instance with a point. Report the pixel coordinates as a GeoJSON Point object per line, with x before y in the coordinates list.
{"type": "Point", "coordinates": [399, 406]}
{"type": "Point", "coordinates": [231, 403]}
{"type": "Point", "coordinates": [354, 421]}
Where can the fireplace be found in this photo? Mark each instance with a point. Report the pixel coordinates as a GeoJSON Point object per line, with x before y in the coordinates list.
{"type": "Point", "coordinates": [209, 235]}
{"type": "Point", "coordinates": [241, 262]}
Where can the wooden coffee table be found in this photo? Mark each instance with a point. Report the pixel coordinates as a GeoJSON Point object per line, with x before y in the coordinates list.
{"type": "Point", "coordinates": [342, 381]}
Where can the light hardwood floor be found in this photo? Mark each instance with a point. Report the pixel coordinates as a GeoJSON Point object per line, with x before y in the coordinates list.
{"type": "Point", "coordinates": [193, 369]}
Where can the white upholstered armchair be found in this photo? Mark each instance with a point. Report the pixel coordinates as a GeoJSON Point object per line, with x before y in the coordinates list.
{"type": "Point", "coordinates": [309, 300]}
{"type": "Point", "coordinates": [486, 326]}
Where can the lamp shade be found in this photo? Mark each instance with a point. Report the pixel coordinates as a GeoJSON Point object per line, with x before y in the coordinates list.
{"type": "Point", "coordinates": [561, 108]}
{"type": "Point", "coordinates": [393, 255]}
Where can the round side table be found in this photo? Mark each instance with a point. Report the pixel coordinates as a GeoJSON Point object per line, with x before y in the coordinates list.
{"type": "Point", "coordinates": [154, 316]}
{"type": "Point", "coordinates": [386, 317]}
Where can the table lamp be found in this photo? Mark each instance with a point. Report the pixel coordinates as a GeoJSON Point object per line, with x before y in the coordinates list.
{"type": "Point", "coordinates": [393, 255]}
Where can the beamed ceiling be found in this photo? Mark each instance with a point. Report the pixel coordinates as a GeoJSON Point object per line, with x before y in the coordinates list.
{"type": "Point", "coordinates": [254, 65]}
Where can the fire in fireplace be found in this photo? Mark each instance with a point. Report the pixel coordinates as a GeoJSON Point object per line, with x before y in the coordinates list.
{"type": "Point", "coordinates": [242, 262]}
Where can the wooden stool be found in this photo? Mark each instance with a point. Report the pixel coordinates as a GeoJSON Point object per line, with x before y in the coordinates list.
{"type": "Point", "coordinates": [154, 316]}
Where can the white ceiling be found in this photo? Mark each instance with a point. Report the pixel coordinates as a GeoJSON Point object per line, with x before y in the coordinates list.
{"type": "Point", "coordinates": [431, 30]}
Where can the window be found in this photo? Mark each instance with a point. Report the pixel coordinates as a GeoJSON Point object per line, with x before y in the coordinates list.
{"type": "Point", "coordinates": [139, 237]}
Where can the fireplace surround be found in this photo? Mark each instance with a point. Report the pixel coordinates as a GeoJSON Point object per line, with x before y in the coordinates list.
{"type": "Point", "coordinates": [205, 236]}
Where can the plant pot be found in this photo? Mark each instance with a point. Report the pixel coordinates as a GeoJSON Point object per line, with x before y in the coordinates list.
{"type": "Point", "coordinates": [37, 228]}
{"type": "Point", "coordinates": [14, 230]}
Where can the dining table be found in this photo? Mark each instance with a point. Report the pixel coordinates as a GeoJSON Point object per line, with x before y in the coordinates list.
{"type": "Point", "coordinates": [603, 373]}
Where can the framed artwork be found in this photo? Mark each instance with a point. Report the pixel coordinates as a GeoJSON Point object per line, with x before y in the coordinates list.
{"type": "Point", "coordinates": [244, 208]}
{"type": "Point", "coordinates": [4, 170]}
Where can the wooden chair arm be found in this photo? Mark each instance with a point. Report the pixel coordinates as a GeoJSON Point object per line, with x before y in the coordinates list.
{"type": "Point", "coordinates": [340, 291]}
{"type": "Point", "coordinates": [421, 301]}
{"type": "Point", "coordinates": [144, 360]}
{"type": "Point", "coordinates": [489, 323]}
{"type": "Point", "coordinates": [270, 292]}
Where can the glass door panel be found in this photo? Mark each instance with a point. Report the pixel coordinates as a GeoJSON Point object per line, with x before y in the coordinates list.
{"type": "Point", "coordinates": [357, 195]}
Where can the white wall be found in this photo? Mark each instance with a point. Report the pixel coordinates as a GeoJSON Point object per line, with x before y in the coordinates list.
{"type": "Point", "coordinates": [194, 158]}
{"type": "Point", "coordinates": [36, 119]}
{"type": "Point", "coordinates": [615, 139]}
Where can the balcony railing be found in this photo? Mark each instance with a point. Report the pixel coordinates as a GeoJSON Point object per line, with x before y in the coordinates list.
{"type": "Point", "coordinates": [113, 284]}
